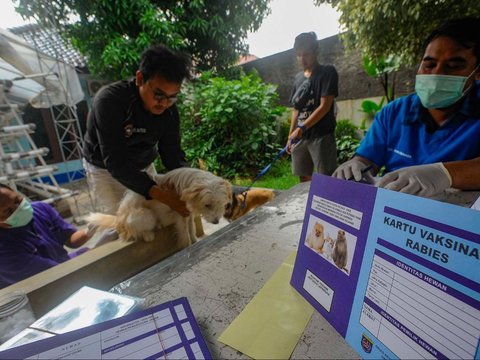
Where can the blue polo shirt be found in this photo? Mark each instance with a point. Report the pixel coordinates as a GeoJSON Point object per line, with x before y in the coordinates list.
{"type": "Point", "coordinates": [399, 138]}
{"type": "Point", "coordinates": [37, 246]}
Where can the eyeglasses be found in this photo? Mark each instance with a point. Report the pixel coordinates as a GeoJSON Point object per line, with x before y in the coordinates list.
{"type": "Point", "coordinates": [160, 96]}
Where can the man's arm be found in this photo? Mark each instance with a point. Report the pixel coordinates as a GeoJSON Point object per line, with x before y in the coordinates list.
{"type": "Point", "coordinates": [78, 238]}
{"type": "Point", "coordinates": [317, 115]}
{"type": "Point", "coordinates": [169, 145]}
{"type": "Point", "coordinates": [293, 125]}
{"type": "Point", "coordinates": [109, 110]}
{"type": "Point", "coordinates": [465, 174]}
{"type": "Point", "coordinates": [169, 198]}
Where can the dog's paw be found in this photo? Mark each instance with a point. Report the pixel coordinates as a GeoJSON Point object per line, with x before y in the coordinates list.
{"type": "Point", "coordinates": [182, 243]}
{"type": "Point", "coordinates": [148, 236]}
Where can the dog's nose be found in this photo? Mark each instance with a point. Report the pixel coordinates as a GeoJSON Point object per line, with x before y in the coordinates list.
{"type": "Point", "coordinates": [215, 221]}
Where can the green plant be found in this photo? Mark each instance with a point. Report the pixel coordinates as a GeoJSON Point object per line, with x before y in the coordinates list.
{"type": "Point", "coordinates": [345, 127]}
{"type": "Point", "coordinates": [279, 177]}
{"type": "Point", "coordinates": [347, 140]}
{"type": "Point", "coordinates": [230, 124]}
{"type": "Point", "coordinates": [378, 28]}
{"type": "Point", "coordinates": [111, 34]}
{"type": "Point", "coordinates": [346, 147]}
{"type": "Point", "coordinates": [385, 70]}
{"type": "Point", "coordinates": [370, 109]}
{"type": "Point", "coordinates": [283, 128]}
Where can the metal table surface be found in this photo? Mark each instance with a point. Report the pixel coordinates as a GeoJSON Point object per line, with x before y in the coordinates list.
{"type": "Point", "coordinates": [221, 274]}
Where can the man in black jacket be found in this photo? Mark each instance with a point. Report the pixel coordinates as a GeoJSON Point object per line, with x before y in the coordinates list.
{"type": "Point", "coordinates": [130, 123]}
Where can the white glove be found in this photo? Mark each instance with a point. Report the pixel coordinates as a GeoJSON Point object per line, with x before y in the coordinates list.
{"type": "Point", "coordinates": [353, 169]}
{"type": "Point", "coordinates": [106, 236]}
{"type": "Point", "coordinates": [90, 230]}
{"type": "Point", "coordinates": [421, 180]}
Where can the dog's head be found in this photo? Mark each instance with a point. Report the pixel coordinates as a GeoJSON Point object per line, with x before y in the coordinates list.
{"type": "Point", "coordinates": [318, 230]}
{"type": "Point", "coordinates": [209, 199]}
{"type": "Point", "coordinates": [244, 200]}
{"type": "Point", "coordinates": [237, 206]}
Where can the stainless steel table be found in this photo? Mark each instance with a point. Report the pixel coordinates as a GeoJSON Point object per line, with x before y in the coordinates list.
{"type": "Point", "coordinates": [221, 273]}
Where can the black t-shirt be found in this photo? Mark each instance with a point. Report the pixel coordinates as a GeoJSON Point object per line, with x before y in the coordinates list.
{"type": "Point", "coordinates": [124, 138]}
{"type": "Point", "coordinates": [306, 96]}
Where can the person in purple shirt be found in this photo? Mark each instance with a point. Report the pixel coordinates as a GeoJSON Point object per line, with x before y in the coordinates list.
{"type": "Point", "coordinates": [32, 237]}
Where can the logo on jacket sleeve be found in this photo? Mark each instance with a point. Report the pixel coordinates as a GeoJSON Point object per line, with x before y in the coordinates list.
{"type": "Point", "coordinates": [128, 130]}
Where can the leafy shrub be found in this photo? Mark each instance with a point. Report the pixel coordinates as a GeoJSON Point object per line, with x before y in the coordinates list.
{"type": "Point", "coordinates": [230, 124]}
{"type": "Point", "coordinates": [347, 140]}
{"type": "Point", "coordinates": [283, 127]}
{"type": "Point", "coordinates": [345, 127]}
{"type": "Point", "coordinates": [346, 147]}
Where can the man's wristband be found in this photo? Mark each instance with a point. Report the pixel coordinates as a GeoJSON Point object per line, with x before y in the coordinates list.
{"type": "Point", "coordinates": [303, 127]}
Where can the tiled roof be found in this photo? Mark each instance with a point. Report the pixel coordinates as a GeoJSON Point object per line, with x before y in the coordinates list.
{"type": "Point", "coordinates": [246, 58]}
{"type": "Point", "coordinates": [50, 43]}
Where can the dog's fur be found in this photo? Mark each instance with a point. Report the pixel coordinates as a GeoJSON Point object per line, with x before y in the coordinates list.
{"type": "Point", "coordinates": [137, 218]}
{"type": "Point", "coordinates": [316, 239]}
{"type": "Point", "coordinates": [339, 254]}
{"type": "Point", "coordinates": [328, 248]}
{"type": "Point", "coordinates": [245, 201]}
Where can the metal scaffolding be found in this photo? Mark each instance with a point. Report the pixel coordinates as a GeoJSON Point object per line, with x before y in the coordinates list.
{"type": "Point", "coordinates": [22, 162]}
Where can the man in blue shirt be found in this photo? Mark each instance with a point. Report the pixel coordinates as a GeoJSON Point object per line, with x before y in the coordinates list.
{"type": "Point", "coordinates": [430, 141]}
{"type": "Point", "coordinates": [32, 236]}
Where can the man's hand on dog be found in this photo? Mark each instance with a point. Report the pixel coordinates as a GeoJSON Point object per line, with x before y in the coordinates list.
{"type": "Point", "coordinates": [171, 199]}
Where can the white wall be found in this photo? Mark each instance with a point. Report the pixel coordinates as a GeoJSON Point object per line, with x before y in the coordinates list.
{"type": "Point", "coordinates": [350, 109]}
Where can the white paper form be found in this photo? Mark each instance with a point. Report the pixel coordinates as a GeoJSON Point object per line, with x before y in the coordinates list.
{"type": "Point", "coordinates": [417, 316]}
{"type": "Point", "coordinates": [165, 331]}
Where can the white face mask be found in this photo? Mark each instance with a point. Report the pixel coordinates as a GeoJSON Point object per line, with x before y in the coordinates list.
{"type": "Point", "coordinates": [21, 216]}
{"type": "Point", "coordinates": [440, 91]}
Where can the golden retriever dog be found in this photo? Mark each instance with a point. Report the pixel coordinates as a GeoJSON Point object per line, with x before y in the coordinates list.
{"type": "Point", "coordinates": [246, 201]}
{"type": "Point", "coordinates": [204, 193]}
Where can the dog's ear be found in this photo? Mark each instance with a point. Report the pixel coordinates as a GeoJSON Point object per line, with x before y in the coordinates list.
{"type": "Point", "coordinates": [228, 186]}
{"type": "Point", "coordinates": [232, 207]}
{"type": "Point", "coordinates": [191, 192]}
{"type": "Point", "coordinates": [158, 178]}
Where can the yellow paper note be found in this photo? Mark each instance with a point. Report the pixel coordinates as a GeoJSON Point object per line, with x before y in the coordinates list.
{"type": "Point", "coordinates": [272, 323]}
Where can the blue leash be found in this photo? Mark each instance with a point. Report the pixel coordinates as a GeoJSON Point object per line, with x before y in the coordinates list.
{"type": "Point", "coordinates": [263, 172]}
